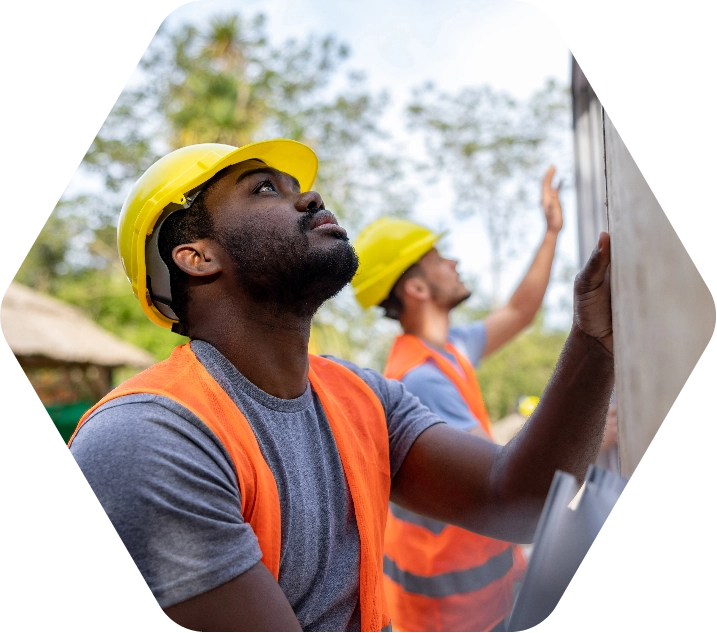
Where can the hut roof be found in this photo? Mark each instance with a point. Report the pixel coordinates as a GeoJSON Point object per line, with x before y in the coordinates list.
{"type": "Point", "coordinates": [40, 328]}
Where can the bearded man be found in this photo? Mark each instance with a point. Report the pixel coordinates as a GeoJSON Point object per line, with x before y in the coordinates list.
{"type": "Point", "coordinates": [249, 480]}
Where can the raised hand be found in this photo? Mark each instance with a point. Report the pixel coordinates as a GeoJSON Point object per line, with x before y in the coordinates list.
{"type": "Point", "coordinates": [592, 310]}
{"type": "Point", "coordinates": [551, 202]}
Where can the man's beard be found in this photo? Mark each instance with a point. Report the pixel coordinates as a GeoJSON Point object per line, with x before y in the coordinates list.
{"type": "Point", "coordinates": [283, 271]}
{"type": "Point", "coordinates": [451, 301]}
{"type": "Point", "coordinates": [460, 298]}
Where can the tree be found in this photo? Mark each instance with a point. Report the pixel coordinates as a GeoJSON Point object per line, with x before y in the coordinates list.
{"type": "Point", "coordinates": [222, 82]}
{"type": "Point", "coordinates": [228, 84]}
{"type": "Point", "coordinates": [493, 147]}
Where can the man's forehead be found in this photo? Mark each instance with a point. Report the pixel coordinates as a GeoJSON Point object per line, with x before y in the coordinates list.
{"type": "Point", "coordinates": [247, 168]}
{"type": "Point", "coordinates": [432, 255]}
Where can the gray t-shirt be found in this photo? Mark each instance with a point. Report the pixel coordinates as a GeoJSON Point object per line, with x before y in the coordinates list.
{"type": "Point", "coordinates": [170, 489]}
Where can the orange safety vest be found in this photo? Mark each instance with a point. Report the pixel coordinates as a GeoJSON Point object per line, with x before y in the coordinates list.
{"type": "Point", "coordinates": [453, 580]}
{"type": "Point", "coordinates": [358, 423]}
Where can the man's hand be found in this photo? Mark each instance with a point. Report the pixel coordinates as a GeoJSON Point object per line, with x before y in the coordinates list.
{"type": "Point", "coordinates": [551, 203]}
{"type": "Point", "coordinates": [593, 311]}
{"type": "Point", "coordinates": [503, 324]}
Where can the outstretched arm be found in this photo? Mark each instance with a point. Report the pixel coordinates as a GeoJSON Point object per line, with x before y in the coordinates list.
{"type": "Point", "coordinates": [504, 323]}
{"type": "Point", "coordinates": [499, 491]}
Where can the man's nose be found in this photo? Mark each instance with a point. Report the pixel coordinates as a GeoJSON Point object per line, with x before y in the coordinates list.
{"type": "Point", "coordinates": [308, 201]}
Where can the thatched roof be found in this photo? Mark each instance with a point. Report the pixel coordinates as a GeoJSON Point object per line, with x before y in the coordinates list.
{"type": "Point", "coordinates": [41, 329]}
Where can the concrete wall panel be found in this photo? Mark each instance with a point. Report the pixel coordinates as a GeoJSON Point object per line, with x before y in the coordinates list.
{"type": "Point", "coordinates": [663, 313]}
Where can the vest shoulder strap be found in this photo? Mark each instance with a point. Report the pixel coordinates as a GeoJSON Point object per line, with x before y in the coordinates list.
{"type": "Point", "coordinates": [408, 351]}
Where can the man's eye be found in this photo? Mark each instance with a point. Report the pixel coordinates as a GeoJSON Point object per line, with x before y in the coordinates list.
{"type": "Point", "coordinates": [265, 186]}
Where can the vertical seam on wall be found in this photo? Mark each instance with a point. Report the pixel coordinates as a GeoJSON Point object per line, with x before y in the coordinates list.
{"type": "Point", "coordinates": [604, 160]}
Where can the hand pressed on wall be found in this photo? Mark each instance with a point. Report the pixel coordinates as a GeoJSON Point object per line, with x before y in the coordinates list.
{"type": "Point", "coordinates": [593, 311]}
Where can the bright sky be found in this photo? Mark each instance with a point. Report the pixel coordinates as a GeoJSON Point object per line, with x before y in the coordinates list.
{"type": "Point", "coordinates": [455, 43]}
{"type": "Point", "coordinates": [401, 43]}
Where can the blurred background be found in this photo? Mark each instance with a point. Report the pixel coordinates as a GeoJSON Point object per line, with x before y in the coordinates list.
{"type": "Point", "coordinates": [446, 113]}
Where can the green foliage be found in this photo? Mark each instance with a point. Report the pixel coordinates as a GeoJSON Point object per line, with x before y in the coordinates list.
{"type": "Point", "coordinates": [45, 262]}
{"type": "Point", "coordinates": [106, 297]}
{"type": "Point", "coordinates": [521, 368]}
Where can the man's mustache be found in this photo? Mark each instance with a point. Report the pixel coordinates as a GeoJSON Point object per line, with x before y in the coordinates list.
{"type": "Point", "coordinates": [306, 219]}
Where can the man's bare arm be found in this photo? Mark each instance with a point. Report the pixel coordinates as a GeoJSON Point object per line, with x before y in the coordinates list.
{"type": "Point", "coordinates": [253, 601]}
{"type": "Point", "coordinates": [459, 478]}
{"type": "Point", "coordinates": [504, 323]}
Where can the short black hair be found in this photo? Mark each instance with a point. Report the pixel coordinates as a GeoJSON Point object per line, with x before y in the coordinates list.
{"type": "Point", "coordinates": [182, 227]}
{"type": "Point", "coordinates": [392, 305]}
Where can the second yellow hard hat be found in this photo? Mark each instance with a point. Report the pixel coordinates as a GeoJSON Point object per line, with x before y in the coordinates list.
{"type": "Point", "coordinates": [386, 249]}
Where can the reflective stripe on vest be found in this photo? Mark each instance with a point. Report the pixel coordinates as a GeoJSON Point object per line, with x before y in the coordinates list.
{"type": "Point", "coordinates": [357, 422]}
{"type": "Point", "coordinates": [440, 577]}
{"type": "Point", "coordinates": [449, 583]}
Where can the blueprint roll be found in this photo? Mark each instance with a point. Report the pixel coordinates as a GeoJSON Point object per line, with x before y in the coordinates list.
{"type": "Point", "coordinates": [569, 523]}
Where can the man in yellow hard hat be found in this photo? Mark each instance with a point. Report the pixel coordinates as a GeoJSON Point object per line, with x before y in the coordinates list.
{"type": "Point", "coordinates": [440, 577]}
{"type": "Point", "coordinates": [250, 480]}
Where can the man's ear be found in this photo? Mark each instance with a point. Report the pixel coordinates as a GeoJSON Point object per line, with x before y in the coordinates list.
{"type": "Point", "coordinates": [198, 259]}
{"type": "Point", "coordinates": [416, 288]}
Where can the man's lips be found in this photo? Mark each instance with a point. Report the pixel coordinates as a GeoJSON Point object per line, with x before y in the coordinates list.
{"type": "Point", "coordinates": [325, 222]}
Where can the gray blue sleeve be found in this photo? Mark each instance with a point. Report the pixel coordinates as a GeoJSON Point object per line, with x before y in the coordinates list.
{"type": "Point", "coordinates": [435, 390]}
{"type": "Point", "coordinates": [170, 490]}
{"type": "Point", "coordinates": [469, 339]}
{"type": "Point", "coordinates": [406, 417]}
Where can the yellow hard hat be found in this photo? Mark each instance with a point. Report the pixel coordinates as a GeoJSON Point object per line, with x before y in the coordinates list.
{"type": "Point", "coordinates": [171, 184]}
{"type": "Point", "coordinates": [386, 249]}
